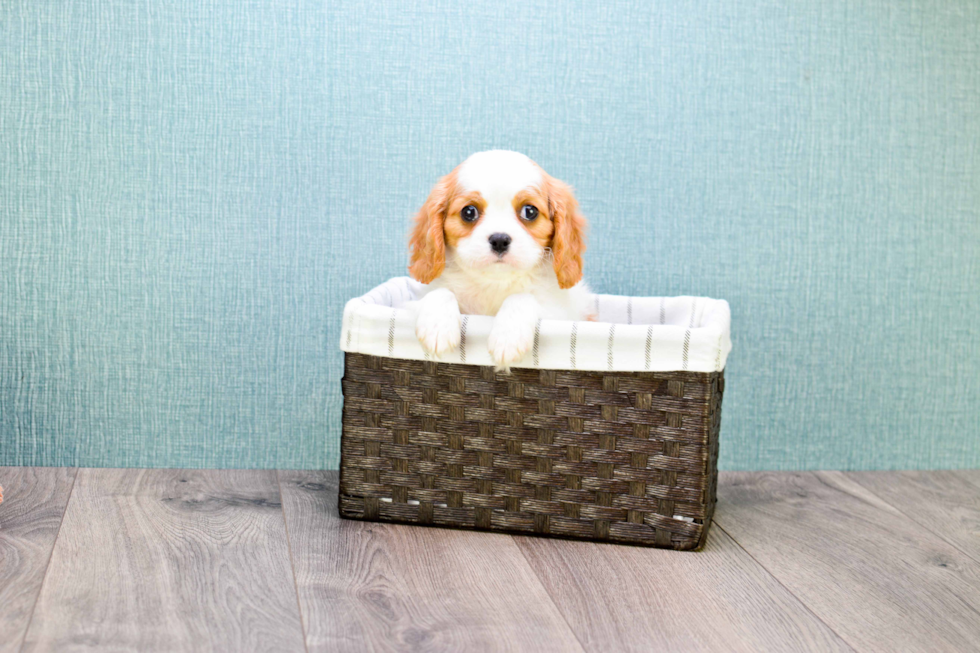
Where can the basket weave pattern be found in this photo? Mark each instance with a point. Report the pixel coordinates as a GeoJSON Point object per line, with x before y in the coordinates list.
{"type": "Point", "coordinates": [615, 456]}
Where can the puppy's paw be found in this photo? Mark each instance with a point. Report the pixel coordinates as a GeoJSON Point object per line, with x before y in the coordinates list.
{"type": "Point", "coordinates": [509, 341]}
{"type": "Point", "coordinates": [438, 330]}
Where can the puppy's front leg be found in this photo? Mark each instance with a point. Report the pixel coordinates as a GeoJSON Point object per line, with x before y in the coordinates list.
{"type": "Point", "coordinates": [437, 324]}
{"type": "Point", "coordinates": [512, 333]}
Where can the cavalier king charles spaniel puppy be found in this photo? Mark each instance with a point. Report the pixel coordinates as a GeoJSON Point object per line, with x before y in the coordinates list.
{"type": "Point", "coordinates": [498, 236]}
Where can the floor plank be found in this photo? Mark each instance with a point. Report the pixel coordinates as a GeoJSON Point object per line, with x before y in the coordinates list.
{"type": "Point", "coordinates": [34, 503]}
{"type": "Point", "coordinates": [970, 475]}
{"type": "Point", "coordinates": [635, 599]}
{"type": "Point", "coordinates": [945, 503]}
{"type": "Point", "coordinates": [168, 560]}
{"type": "Point", "coordinates": [392, 587]}
{"type": "Point", "coordinates": [877, 578]}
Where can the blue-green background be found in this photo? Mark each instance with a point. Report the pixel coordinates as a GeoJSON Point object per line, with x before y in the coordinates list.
{"type": "Point", "coordinates": [190, 190]}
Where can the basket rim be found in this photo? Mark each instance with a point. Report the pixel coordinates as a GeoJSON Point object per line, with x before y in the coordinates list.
{"type": "Point", "coordinates": [647, 334]}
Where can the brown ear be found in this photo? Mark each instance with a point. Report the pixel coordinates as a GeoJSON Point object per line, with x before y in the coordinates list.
{"type": "Point", "coordinates": [568, 242]}
{"type": "Point", "coordinates": [427, 243]}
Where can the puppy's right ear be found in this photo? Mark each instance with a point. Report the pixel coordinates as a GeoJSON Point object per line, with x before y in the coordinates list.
{"type": "Point", "coordinates": [427, 243]}
{"type": "Point", "coordinates": [568, 242]}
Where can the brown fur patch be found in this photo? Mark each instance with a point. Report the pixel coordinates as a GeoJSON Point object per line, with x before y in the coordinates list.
{"type": "Point", "coordinates": [427, 240]}
{"type": "Point", "coordinates": [541, 228]}
{"type": "Point", "coordinates": [456, 228]}
{"type": "Point", "coordinates": [568, 242]}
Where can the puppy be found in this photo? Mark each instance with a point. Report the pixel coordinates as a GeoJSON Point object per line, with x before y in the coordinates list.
{"type": "Point", "coordinates": [498, 236]}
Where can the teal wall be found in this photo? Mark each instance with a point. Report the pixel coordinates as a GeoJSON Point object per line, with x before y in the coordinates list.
{"type": "Point", "coordinates": [190, 190]}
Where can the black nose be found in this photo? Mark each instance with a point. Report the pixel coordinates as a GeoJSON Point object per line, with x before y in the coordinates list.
{"type": "Point", "coordinates": [499, 243]}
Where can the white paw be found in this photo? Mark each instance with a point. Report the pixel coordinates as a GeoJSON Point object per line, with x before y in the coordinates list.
{"type": "Point", "coordinates": [509, 341]}
{"type": "Point", "coordinates": [438, 330]}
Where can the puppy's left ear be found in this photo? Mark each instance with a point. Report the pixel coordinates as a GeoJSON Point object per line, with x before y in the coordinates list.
{"type": "Point", "coordinates": [426, 242]}
{"type": "Point", "coordinates": [568, 241]}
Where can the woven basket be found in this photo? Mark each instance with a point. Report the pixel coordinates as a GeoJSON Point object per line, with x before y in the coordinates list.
{"type": "Point", "coordinates": [627, 457]}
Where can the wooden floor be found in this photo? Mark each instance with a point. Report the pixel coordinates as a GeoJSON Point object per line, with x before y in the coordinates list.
{"type": "Point", "coordinates": [174, 560]}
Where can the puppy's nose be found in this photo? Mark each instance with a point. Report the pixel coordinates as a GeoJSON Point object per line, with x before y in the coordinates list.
{"type": "Point", "coordinates": [499, 243]}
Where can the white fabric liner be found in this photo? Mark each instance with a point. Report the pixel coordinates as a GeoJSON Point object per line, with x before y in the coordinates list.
{"type": "Point", "coordinates": [632, 334]}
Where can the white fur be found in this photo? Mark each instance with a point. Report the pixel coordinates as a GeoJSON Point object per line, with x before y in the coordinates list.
{"type": "Point", "coordinates": [438, 323]}
{"type": "Point", "coordinates": [498, 176]}
{"type": "Point", "coordinates": [518, 288]}
{"type": "Point", "coordinates": [513, 328]}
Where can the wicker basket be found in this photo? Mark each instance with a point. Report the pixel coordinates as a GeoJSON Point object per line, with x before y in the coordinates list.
{"type": "Point", "coordinates": [621, 456]}
{"type": "Point", "coordinates": [595, 437]}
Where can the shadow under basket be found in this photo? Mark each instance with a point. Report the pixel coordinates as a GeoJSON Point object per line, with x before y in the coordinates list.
{"type": "Point", "coordinates": [627, 457]}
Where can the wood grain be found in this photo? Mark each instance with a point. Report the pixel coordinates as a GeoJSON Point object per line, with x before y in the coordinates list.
{"type": "Point", "coordinates": [946, 503]}
{"type": "Point", "coordinates": [623, 598]}
{"type": "Point", "coordinates": [34, 503]}
{"type": "Point", "coordinates": [366, 585]}
{"type": "Point", "coordinates": [168, 560]}
{"type": "Point", "coordinates": [880, 580]}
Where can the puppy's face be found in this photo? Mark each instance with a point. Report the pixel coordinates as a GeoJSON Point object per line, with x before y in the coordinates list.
{"type": "Point", "coordinates": [499, 213]}
{"type": "Point", "coordinates": [499, 217]}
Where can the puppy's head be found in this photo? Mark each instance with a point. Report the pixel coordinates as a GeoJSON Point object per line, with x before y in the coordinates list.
{"type": "Point", "coordinates": [499, 213]}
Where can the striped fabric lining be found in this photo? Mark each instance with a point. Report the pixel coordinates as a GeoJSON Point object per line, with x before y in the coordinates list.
{"type": "Point", "coordinates": [631, 334]}
{"type": "Point", "coordinates": [391, 332]}
{"type": "Point", "coordinates": [609, 349]}
{"type": "Point", "coordinates": [687, 334]}
{"type": "Point", "coordinates": [574, 341]}
{"type": "Point", "coordinates": [537, 340]}
{"type": "Point", "coordinates": [646, 348]}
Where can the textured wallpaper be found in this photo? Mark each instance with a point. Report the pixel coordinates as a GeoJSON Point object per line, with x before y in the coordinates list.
{"type": "Point", "coordinates": [190, 190]}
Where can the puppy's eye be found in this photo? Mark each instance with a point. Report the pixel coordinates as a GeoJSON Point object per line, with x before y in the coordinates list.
{"type": "Point", "coordinates": [469, 213]}
{"type": "Point", "coordinates": [529, 212]}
